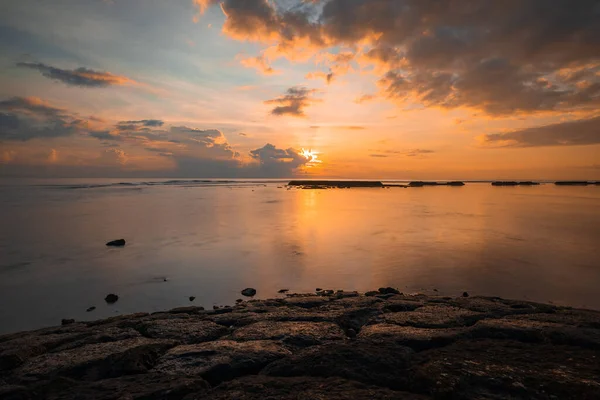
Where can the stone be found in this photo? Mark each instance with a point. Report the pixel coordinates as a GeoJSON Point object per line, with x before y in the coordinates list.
{"type": "Point", "coordinates": [142, 386]}
{"type": "Point", "coordinates": [192, 298]}
{"type": "Point", "coordinates": [416, 338]}
{"type": "Point", "coordinates": [90, 309]}
{"type": "Point", "coordinates": [371, 293]}
{"type": "Point", "coordinates": [182, 330]}
{"type": "Point", "coordinates": [220, 360]}
{"type": "Point", "coordinates": [111, 298]}
{"type": "Point", "coordinates": [116, 243]}
{"type": "Point", "coordinates": [465, 294]}
{"type": "Point", "coordinates": [389, 290]}
{"type": "Point", "coordinates": [433, 316]}
{"type": "Point", "coordinates": [307, 302]}
{"type": "Point", "coordinates": [283, 291]}
{"type": "Point", "coordinates": [472, 369]}
{"type": "Point", "coordinates": [296, 333]}
{"type": "Point", "coordinates": [97, 361]}
{"type": "Point", "coordinates": [381, 364]}
{"type": "Point", "coordinates": [249, 292]}
{"type": "Point", "coordinates": [239, 301]}
{"type": "Point", "coordinates": [67, 321]}
{"type": "Point", "coordinates": [300, 388]}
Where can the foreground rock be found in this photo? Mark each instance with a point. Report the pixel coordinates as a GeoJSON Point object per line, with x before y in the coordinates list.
{"type": "Point", "coordinates": [335, 346]}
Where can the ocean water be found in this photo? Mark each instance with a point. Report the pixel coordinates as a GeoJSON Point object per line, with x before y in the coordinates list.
{"type": "Point", "coordinates": [213, 239]}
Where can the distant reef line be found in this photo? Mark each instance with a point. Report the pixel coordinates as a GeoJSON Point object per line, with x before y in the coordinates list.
{"type": "Point", "coordinates": [342, 184]}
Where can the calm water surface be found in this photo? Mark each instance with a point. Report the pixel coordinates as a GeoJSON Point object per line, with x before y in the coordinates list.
{"type": "Point", "coordinates": [212, 240]}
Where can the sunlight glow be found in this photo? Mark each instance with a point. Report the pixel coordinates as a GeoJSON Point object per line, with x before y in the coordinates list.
{"type": "Point", "coordinates": [311, 155]}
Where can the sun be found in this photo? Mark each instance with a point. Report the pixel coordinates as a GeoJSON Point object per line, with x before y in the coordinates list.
{"type": "Point", "coordinates": [311, 155]}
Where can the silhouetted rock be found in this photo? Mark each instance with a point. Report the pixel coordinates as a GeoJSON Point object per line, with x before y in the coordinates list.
{"type": "Point", "coordinates": [111, 298]}
{"type": "Point", "coordinates": [319, 290]}
{"type": "Point", "coordinates": [192, 298]}
{"type": "Point", "coordinates": [91, 309]}
{"type": "Point", "coordinates": [283, 290]}
{"type": "Point", "coordinates": [239, 301]}
{"type": "Point", "coordinates": [249, 292]}
{"type": "Point", "coordinates": [371, 293]}
{"type": "Point", "coordinates": [465, 294]}
{"type": "Point", "coordinates": [456, 183]}
{"type": "Point", "coordinates": [505, 183]}
{"type": "Point", "coordinates": [67, 321]}
{"type": "Point", "coordinates": [324, 184]}
{"type": "Point", "coordinates": [116, 243]}
{"type": "Point", "coordinates": [389, 290]}
{"type": "Point", "coordinates": [572, 183]}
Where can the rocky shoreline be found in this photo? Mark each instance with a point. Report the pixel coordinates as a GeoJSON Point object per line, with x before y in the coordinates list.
{"type": "Point", "coordinates": [341, 345]}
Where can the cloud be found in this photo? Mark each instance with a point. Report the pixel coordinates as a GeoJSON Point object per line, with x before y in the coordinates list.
{"type": "Point", "coordinates": [365, 98]}
{"type": "Point", "coordinates": [83, 77]}
{"type": "Point", "coordinates": [144, 122]}
{"type": "Point", "coordinates": [340, 127]}
{"type": "Point", "coordinates": [293, 102]}
{"type": "Point", "coordinates": [405, 153]}
{"type": "Point", "coordinates": [326, 76]}
{"type": "Point", "coordinates": [26, 118]}
{"type": "Point", "coordinates": [259, 63]}
{"type": "Point", "coordinates": [572, 133]}
{"type": "Point", "coordinates": [278, 162]}
{"type": "Point", "coordinates": [499, 57]}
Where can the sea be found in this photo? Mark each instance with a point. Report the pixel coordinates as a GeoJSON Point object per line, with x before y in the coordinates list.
{"type": "Point", "coordinates": [209, 239]}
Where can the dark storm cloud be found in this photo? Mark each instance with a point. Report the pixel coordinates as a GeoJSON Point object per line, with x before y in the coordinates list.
{"type": "Point", "coordinates": [499, 56]}
{"type": "Point", "coordinates": [83, 77]}
{"type": "Point", "coordinates": [278, 162]}
{"type": "Point", "coordinates": [572, 133]}
{"type": "Point", "coordinates": [144, 122]}
{"type": "Point", "coordinates": [293, 103]}
{"type": "Point", "coordinates": [23, 119]}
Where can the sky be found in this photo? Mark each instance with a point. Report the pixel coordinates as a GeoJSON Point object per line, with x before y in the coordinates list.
{"type": "Point", "coordinates": [377, 89]}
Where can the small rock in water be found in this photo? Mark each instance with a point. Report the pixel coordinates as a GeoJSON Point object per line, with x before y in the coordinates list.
{"type": "Point", "coordinates": [388, 290]}
{"type": "Point", "coordinates": [116, 243]}
{"type": "Point", "coordinates": [435, 290]}
{"type": "Point", "coordinates": [319, 290]}
{"type": "Point", "coordinates": [67, 321]}
{"type": "Point", "coordinates": [164, 279]}
{"type": "Point", "coordinates": [249, 292]}
{"type": "Point", "coordinates": [465, 294]}
{"type": "Point", "coordinates": [111, 298]}
{"type": "Point", "coordinates": [90, 309]}
{"type": "Point", "coordinates": [192, 298]}
{"type": "Point", "coordinates": [239, 301]}
{"type": "Point", "coordinates": [283, 291]}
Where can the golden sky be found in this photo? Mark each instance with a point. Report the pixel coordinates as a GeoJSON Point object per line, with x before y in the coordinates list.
{"type": "Point", "coordinates": [382, 89]}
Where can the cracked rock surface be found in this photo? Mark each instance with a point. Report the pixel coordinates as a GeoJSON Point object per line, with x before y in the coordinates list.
{"type": "Point", "coordinates": [339, 345]}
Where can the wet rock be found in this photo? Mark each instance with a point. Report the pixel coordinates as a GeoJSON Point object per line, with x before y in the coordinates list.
{"type": "Point", "coordinates": [221, 360]}
{"type": "Point", "coordinates": [192, 298]}
{"type": "Point", "coordinates": [296, 388]}
{"type": "Point", "coordinates": [416, 338]}
{"type": "Point", "coordinates": [116, 243]}
{"type": "Point", "coordinates": [111, 298]}
{"type": "Point", "coordinates": [381, 364]}
{"type": "Point", "coordinates": [67, 321]}
{"type": "Point", "coordinates": [465, 294]}
{"type": "Point", "coordinates": [183, 330]}
{"type": "Point", "coordinates": [283, 290]}
{"type": "Point", "coordinates": [97, 361]}
{"type": "Point", "coordinates": [371, 293]}
{"type": "Point", "coordinates": [402, 305]}
{"type": "Point", "coordinates": [389, 290]}
{"type": "Point", "coordinates": [307, 302]}
{"type": "Point", "coordinates": [343, 294]}
{"type": "Point", "coordinates": [292, 332]}
{"type": "Point", "coordinates": [319, 290]}
{"type": "Point", "coordinates": [90, 309]}
{"type": "Point", "coordinates": [249, 292]}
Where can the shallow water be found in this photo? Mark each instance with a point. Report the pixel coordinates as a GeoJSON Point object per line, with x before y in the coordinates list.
{"type": "Point", "coordinates": [210, 240]}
